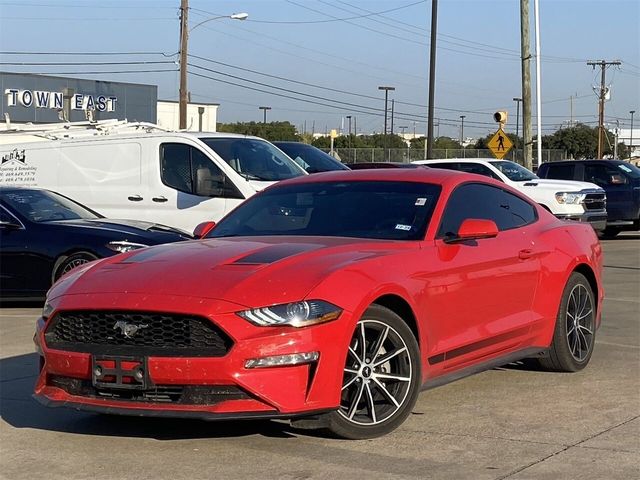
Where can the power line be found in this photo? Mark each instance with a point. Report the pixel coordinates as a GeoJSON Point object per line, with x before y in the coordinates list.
{"type": "Point", "coordinates": [141, 62]}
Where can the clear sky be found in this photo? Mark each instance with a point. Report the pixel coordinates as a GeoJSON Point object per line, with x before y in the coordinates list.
{"type": "Point", "coordinates": [326, 58]}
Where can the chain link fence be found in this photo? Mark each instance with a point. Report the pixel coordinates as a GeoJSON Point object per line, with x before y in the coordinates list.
{"type": "Point", "coordinates": [407, 155]}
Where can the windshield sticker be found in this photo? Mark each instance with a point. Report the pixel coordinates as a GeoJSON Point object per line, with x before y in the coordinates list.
{"type": "Point", "coordinates": [400, 226]}
{"type": "Point", "coordinates": [624, 168]}
{"type": "Point", "coordinates": [421, 201]}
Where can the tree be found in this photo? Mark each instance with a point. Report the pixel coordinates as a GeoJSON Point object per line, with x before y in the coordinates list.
{"type": "Point", "coordinates": [579, 141]}
{"type": "Point", "coordinates": [272, 131]}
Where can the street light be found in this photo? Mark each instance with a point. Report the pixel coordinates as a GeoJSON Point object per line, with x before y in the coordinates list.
{"type": "Point", "coordinates": [184, 42]}
{"type": "Point", "coordinates": [264, 109]}
{"type": "Point", "coordinates": [517, 100]}
{"type": "Point", "coordinates": [349, 118]}
{"type": "Point", "coordinates": [631, 134]}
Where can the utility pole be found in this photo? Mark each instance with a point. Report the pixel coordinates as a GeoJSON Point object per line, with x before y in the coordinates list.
{"type": "Point", "coordinates": [184, 39]}
{"type": "Point", "coordinates": [386, 100]}
{"type": "Point", "coordinates": [432, 79]}
{"type": "Point", "coordinates": [349, 118]}
{"type": "Point", "coordinates": [462, 129]}
{"type": "Point", "coordinates": [526, 84]}
{"type": "Point", "coordinates": [393, 102]}
{"type": "Point", "coordinates": [570, 110]}
{"type": "Point", "coordinates": [603, 64]}
{"type": "Point", "coordinates": [264, 110]}
{"type": "Point", "coordinates": [631, 134]}
{"type": "Point", "coordinates": [615, 145]}
{"type": "Point", "coordinates": [355, 126]}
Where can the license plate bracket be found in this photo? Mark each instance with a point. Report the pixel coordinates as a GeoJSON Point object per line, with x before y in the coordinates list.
{"type": "Point", "coordinates": [120, 372]}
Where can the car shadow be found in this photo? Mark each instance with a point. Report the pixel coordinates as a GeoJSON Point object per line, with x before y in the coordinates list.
{"type": "Point", "coordinates": [20, 410]}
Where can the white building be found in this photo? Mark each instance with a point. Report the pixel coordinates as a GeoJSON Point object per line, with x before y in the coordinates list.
{"type": "Point", "coordinates": [201, 117]}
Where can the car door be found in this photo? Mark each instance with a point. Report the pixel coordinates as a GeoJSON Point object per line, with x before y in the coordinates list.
{"type": "Point", "coordinates": [616, 184]}
{"type": "Point", "coordinates": [26, 267]}
{"type": "Point", "coordinates": [479, 294]}
{"type": "Point", "coordinates": [188, 188]}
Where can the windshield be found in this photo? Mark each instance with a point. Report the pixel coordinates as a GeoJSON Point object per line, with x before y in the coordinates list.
{"type": "Point", "coordinates": [254, 159]}
{"type": "Point", "coordinates": [383, 210]}
{"type": "Point", "coordinates": [43, 206]}
{"type": "Point", "coordinates": [310, 158]}
{"type": "Point", "coordinates": [513, 171]}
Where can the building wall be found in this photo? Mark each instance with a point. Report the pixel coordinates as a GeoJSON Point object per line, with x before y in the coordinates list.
{"type": "Point", "coordinates": [108, 100]}
{"type": "Point", "coordinates": [169, 116]}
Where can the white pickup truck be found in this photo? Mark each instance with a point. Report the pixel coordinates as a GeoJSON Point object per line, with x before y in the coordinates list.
{"type": "Point", "coordinates": [566, 199]}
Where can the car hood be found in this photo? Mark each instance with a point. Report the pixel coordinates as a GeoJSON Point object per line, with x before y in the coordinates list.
{"type": "Point", "coordinates": [249, 271]}
{"type": "Point", "coordinates": [559, 185]}
{"type": "Point", "coordinates": [126, 227]}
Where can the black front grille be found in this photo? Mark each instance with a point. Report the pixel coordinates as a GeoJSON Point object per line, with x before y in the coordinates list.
{"type": "Point", "coordinates": [139, 333]}
{"type": "Point", "coordinates": [176, 394]}
{"type": "Point", "coordinates": [595, 201]}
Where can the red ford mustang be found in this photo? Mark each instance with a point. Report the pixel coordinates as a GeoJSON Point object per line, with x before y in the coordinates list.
{"type": "Point", "coordinates": [333, 298]}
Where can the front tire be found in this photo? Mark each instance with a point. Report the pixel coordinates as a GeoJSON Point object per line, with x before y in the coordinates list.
{"type": "Point", "coordinates": [575, 333]}
{"type": "Point", "coordinates": [66, 264]}
{"type": "Point", "coordinates": [610, 232]}
{"type": "Point", "coordinates": [381, 379]}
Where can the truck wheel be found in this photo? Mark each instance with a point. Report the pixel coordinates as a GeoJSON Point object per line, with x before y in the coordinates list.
{"type": "Point", "coordinates": [610, 232]}
{"type": "Point", "coordinates": [66, 264]}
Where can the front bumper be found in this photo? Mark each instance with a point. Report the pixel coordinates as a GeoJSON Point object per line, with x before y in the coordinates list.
{"type": "Point", "coordinates": [65, 379]}
{"type": "Point", "coordinates": [597, 219]}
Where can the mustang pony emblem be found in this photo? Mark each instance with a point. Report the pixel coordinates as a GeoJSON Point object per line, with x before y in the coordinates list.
{"type": "Point", "coordinates": [129, 329]}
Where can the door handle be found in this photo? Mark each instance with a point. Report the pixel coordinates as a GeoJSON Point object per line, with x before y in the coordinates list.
{"type": "Point", "coordinates": [525, 254]}
{"type": "Point", "coordinates": [159, 199]}
{"type": "Point", "coordinates": [135, 198]}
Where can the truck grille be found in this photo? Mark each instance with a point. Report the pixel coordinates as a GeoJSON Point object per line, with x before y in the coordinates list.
{"type": "Point", "coordinates": [595, 201]}
{"type": "Point", "coordinates": [139, 333]}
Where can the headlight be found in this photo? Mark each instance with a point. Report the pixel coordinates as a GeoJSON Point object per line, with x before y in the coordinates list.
{"type": "Point", "coordinates": [47, 310]}
{"type": "Point", "coordinates": [123, 246]}
{"type": "Point", "coordinates": [296, 314]}
{"type": "Point", "coordinates": [570, 197]}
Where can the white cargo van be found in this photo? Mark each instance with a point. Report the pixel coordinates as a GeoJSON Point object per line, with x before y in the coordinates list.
{"type": "Point", "coordinates": [140, 171]}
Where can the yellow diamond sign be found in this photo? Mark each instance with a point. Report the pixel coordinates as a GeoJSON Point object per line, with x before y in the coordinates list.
{"type": "Point", "coordinates": [500, 144]}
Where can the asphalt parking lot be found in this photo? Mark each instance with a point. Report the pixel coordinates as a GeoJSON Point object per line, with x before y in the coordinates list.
{"type": "Point", "coordinates": [511, 422]}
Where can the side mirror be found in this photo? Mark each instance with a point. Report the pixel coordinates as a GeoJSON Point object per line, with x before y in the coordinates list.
{"type": "Point", "coordinates": [617, 179]}
{"type": "Point", "coordinates": [203, 229]}
{"type": "Point", "coordinates": [474, 229]}
{"type": "Point", "coordinates": [208, 185]}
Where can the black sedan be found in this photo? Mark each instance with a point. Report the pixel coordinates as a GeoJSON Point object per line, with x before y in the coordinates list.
{"type": "Point", "coordinates": [312, 159]}
{"type": "Point", "coordinates": [44, 234]}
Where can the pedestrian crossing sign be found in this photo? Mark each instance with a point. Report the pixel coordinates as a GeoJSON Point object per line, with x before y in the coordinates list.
{"type": "Point", "coordinates": [500, 144]}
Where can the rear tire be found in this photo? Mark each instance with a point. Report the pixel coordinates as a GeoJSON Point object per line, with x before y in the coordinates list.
{"type": "Point", "coordinates": [381, 379]}
{"type": "Point", "coordinates": [575, 333]}
{"type": "Point", "coordinates": [66, 264]}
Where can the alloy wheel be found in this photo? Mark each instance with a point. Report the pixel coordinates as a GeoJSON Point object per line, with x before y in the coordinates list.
{"type": "Point", "coordinates": [580, 322]}
{"type": "Point", "coordinates": [377, 374]}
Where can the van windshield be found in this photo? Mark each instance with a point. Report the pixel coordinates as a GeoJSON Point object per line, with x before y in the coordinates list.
{"type": "Point", "coordinates": [254, 159]}
{"type": "Point", "coordinates": [44, 206]}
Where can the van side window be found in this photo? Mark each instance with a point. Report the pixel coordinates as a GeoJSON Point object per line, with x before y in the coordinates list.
{"type": "Point", "coordinates": [175, 166]}
{"type": "Point", "coordinates": [188, 170]}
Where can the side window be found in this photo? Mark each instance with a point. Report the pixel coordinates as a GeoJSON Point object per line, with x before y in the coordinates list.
{"type": "Point", "coordinates": [445, 165]}
{"type": "Point", "coordinates": [485, 202]}
{"type": "Point", "coordinates": [175, 166]}
{"type": "Point", "coordinates": [188, 170]}
{"type": "Point", "coordinates": [562, 172]}
{"type": "Point", "coordinates": [601, 174]}
{"type": "Point", "coordinates": [5, 217]}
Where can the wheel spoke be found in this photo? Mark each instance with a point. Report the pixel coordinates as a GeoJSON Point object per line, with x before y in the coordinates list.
{"type": "Point", "coordinates": [386, 376]}
{"type": "Point", "coordinates": [354, 404]}
{"type": "Point", "coordinates": [386, 393]}
{"type": "Point", "coordinates": [363, 340]}
{"type": "Point", "coordinates": [355, 355]}
{"type": "Point", "coordinates": [372, 406]}
{"type": "Point", "coordinates": [573, 328]}
{"type": "Point", "coordinates": [580, 317]}
{"type": "Point", "coordinates": [585, 329]}
{"type": "Point", "coordinates": [349, 383]}
{"type": "Point", "coordinates": [375, 351]}
{"type": "Point", "coordinates": [389, 356]}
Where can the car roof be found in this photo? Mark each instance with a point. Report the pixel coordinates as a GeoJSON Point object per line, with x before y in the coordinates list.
{"type": "Point", "coordinates": [417, 175]}
{"type": "Point", "coordinates": [565, 162]}
{"type": "Point", "coordinates": [223, 135]}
